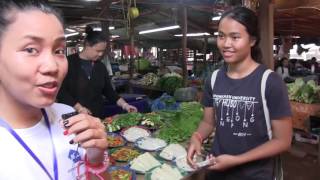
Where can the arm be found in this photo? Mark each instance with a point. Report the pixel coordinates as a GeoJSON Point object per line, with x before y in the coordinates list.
{"type": "Point", "coordinates": [125, 106]}
{"type": "Point", "coordinates": [281, 141]}
{"type": "Point", "coordinates": [205, 128]}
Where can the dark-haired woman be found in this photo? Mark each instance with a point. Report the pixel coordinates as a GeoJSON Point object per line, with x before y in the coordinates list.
{"type": "Point", "coordinates": [35, 143]}
{"type": "Point", "coordinates": [283, 69]}
{"type": "Point", "coordinates": [242, 149]}
{"type": "Point", "coordinates": [88, 80]}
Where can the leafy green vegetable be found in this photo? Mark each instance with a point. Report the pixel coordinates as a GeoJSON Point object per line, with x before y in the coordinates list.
{"type": "Point", "coordinates": [124, 120]}
{"type": "Point", "coordinates": [304, 92]}
{"type": "Point", "coordinates": [142, 64]}
{"type": "Point", "coordinates": [182, 124]}
{"type": "Point", "coordinates": [170, 82]}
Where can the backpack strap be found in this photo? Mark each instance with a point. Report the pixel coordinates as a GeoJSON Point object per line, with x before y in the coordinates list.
{"type": "Point", "coordinates": [264, 101]}
{"type": "Point", "coordinates": [213, 78]}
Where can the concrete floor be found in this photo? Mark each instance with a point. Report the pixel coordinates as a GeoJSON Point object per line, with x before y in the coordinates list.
{"type": "Point", "coordinates": [301, 163]}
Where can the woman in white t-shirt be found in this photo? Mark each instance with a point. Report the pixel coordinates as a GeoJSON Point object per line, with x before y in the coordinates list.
{"type": "Point", "coordinates": [283, 69]}
{"type": "Point", "coordinates": [34, 143]}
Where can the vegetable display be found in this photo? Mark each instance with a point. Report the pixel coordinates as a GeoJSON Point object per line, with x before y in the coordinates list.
{"type": "Point", "coordinates": [304, 92]}
{"type": "Point", "coordinates": [183, 124]}
{"type": "Point", "coordinates": [152, 120]}
{"type": "Point", "coordinates": [142, 64]}
{"type": "Point", "coordinates": [150, 79]}
{"type": "Point", "coordinates": [170, 82]}
{"type": "Point", "coordinates": [122, 121]}
{"type": "Point", "coordinates": [120, 174]}
{"type": "Point", "coordinates": [115, 140]}
{"type": "Point", "coordinates": [124, 154]}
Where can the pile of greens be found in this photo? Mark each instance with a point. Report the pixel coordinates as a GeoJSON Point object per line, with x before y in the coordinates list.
{"type": "Point", "coordinates": [123, 120]}
{"type": "Point", "coordinates": [181, 125]}
{"type": "Point", "coordinates": [142, 64]}
{"type": "Point", "coordinates": [304, 92]}
{"type": "Point", "coordinates": [150, 79]}
{"type": "Point", "coordinates": [170, 82]}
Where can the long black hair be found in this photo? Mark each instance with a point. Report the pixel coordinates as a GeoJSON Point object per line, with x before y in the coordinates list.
{"type": "Point", "coordinates": [249, 20]}
{"type": "Point", "coordinates": [94, 37]}
{"type": "Point", "coordinates": [9, 7]}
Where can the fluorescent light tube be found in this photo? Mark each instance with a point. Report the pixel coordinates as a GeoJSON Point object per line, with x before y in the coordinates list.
{"type": "Point", "coordinates": [216, 18]}
{"type": "Point", "coordinates": [159, 29]}
{"type": "Point", "coordinates": [97, 29]}
{"type": "Point", "coordinates": [71, 34]}
{"type": "Point", "coordinates": [194, 34]}
{"type": "Point", "coordinates": [70, 30]}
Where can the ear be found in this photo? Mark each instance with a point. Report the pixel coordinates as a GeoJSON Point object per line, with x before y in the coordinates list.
{"type": "Point", "coordinates": [253, 41]}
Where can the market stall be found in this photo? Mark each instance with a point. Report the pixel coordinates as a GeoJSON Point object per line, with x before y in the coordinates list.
{"type": "Point", "coordinates": [150, 145]}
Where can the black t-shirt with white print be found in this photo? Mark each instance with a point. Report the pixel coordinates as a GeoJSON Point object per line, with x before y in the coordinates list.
{"type": "Point", "coordinates": [240, 121]}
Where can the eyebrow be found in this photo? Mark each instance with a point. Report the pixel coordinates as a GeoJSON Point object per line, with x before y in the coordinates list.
{"type": "Point", "coordinates": [41, 40]}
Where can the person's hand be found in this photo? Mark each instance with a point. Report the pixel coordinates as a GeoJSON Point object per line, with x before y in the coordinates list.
{"type": "Point", "coordinates": [194, 149]}
{"type": "Point", "coordinates": [84, 110]}
{"type": "Point", "coordinates": [129, 108]}
{"type": "Point", "coordinates": [81, 109]}
{"type": "Point", "coordinates": [223, 162]}
{"type": "Point", "coordinates": [89, 132]}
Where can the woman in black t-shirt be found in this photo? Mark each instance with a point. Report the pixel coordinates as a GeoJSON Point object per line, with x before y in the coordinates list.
{"type": "Point", "coordinates": [241, 147]}
{"type": "Point", "coordinates": [88, 81]}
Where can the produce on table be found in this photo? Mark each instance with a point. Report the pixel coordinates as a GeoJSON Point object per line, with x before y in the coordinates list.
{"type": "Point", "coordinates": [165, 172]}
{"type": "Point", "coordinates": [115, 140]}
{"type": "Point", "coordinates": [152, 120]}
{"type": "Point", "coordinates": [150, 79]}
{"type": "Point", "coordinates": [304, 92]}
{"type": "Point", "coordinates": [184, 123]}
{"type": "Point", "coordinates": [122, 121]}
{"type": "Point", "coordinates": [121, 174]}
{"type": "Point", "coordinates": [144, 163]}
{"type": "Point", "coordinates": [124, 154]}
{"type": "Point", "coordinates": [133, 133]}
{"type": "Point", "coordinates": [142, 64]}
{"type": "Point", "coordinates": [150, 143]}
{"type": "Point", "coordinates": [170, 82]}
{"type": "Point", "coordinates": [173, 151]}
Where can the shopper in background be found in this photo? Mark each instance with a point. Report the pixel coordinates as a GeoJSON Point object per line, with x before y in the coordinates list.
{"type": "Point", "coordinates": [88, 80]}
{"type": "Point", "coordinates": [34, 143]}
{"type": "Point", "coordinates": [282, 69]}
{"type": "Point", "coordinates": [241, 148]}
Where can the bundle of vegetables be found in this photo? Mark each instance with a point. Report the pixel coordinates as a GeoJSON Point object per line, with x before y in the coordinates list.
{"type": "Point", "coordinates": [142, 64]}
{"type": "Point", "coordinates": [150, 79]}
{"type": "Point", "coordinates": [122, 121]}
{"type": "Point", "coordinates": [170, 82]}
{"type": "Point", "coordinates": [152, 120]}
{"type": "Point", "coordinates": [185, 122]}
{"type": "Point", "coordinates": [304, 92]}
{"type": "Point", "coordinates": [165, 102]}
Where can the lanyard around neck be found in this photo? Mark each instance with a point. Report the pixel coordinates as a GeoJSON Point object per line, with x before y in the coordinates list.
{"type": "Point", "coordinates": [31, 153]}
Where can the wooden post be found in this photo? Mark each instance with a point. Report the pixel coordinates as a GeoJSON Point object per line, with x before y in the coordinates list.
{"type": "Point", "coordinates": [184, 44]}
{"type": "Point", "coordinates": [266, 11]}
{"type": "Point", "coordinates": [195, 61]}
{"type": "Point", "coordinates": [204, 51]}
{"type": "Point", "coordinates": [131, 60]}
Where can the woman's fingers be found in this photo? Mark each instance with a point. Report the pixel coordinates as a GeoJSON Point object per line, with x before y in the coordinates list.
{"type": "Point", "coordinates": [89, 131]}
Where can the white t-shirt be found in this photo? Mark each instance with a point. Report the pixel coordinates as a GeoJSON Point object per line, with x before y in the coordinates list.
{"type": "Point", "coordinates": [284, 73]}
{"type": "Point", "coordinates": [16, 163]}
